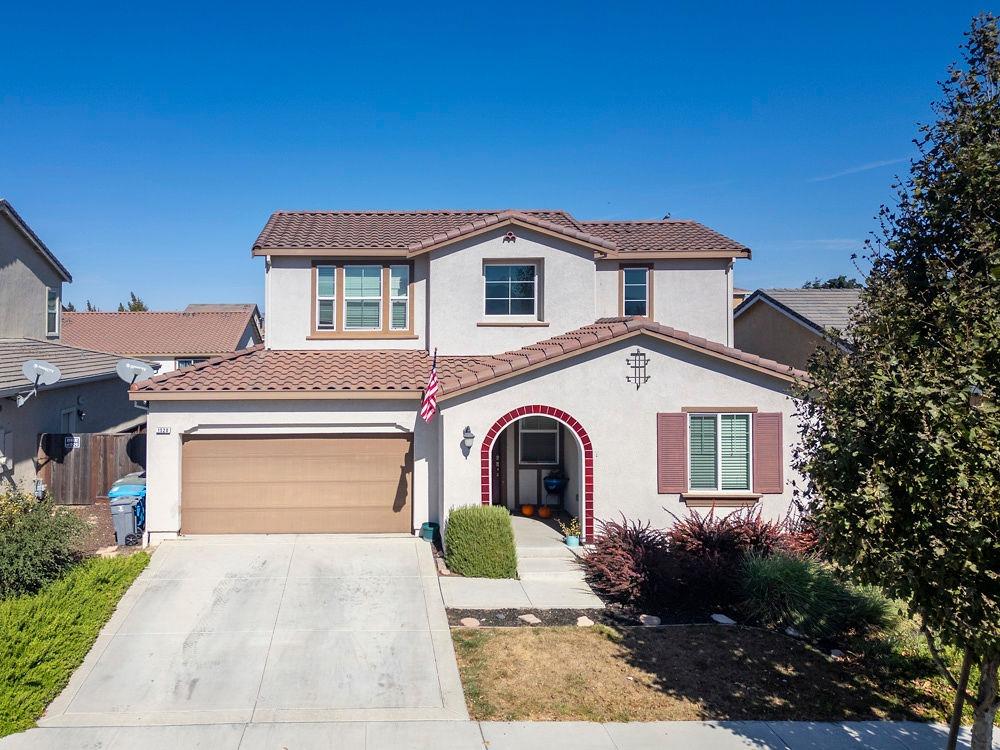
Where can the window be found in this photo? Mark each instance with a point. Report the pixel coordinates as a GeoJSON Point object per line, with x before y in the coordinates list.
{"type": "Point", "coordinates": [635, 291]}
{"type": "Point", "coordinates": [362, 298]}
{"type": "Point", "coordinates": [326, 297]}
{"type": "Point", "coordinates": [719, 451]}
{"type": "Point", "coordinates": [52, 313]}
{"type": "Point", "coordinates": [538, 440]}
{"type": "Point", "coordinates": [399, 308]}
{"type": "Point", "coordinates": [510, 289]}
{"type": "Point", "coordinates": [188, 361]}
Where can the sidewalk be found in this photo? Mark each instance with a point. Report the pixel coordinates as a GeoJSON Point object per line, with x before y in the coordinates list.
{"type": "Point", "coordinates": [467, 735]}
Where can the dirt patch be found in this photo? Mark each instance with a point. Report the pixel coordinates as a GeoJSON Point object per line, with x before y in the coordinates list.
{"type": "Point", "coordinates": [100, 530]}
{"type": "Point", "coordinates": [697, 672]}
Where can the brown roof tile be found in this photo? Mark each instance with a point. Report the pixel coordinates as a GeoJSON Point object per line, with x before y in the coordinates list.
{"type": "Point", "coordinates": [398, 370]}
{"type": "Point", "coordinates": [152, 333]}
{"type": "Point", "coordinates": [416, 231]}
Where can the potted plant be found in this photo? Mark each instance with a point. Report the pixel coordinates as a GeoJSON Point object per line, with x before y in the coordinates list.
{"type": "Point", "coordinates": [571, 532]}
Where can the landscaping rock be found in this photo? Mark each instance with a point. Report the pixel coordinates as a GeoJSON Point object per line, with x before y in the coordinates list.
{"type": "Point", "coordinates": [529, 618]}
{"type": "Point", "coordinates": [584, 622]}
{"type": "Point", "coordinates": [836, 653]}
{"type": "Point", "coordinates": [650, 621]}
{"type": "Point", "coordinates": [442, 566]}
{"type": "Point", "coordinates": [469, 622]}
{"type": "Point", "coordinates": [111, 551]}
{"type": "Point", "coordinates": [793, 633]}
{"type": "Point", "coordinates": [723, 619]}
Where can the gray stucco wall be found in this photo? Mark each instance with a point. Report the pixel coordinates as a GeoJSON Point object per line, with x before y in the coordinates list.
{"type": "Point", "coordinates": [24, 276]}
{"type": "Point", "coordinates": [107, 409]}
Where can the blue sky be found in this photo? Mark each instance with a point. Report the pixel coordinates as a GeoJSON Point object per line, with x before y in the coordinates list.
{"type": "Point", "coordinates": [147, 143]}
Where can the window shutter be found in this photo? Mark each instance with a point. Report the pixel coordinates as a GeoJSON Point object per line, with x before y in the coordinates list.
{"type": "Point", "coordinates": [671, 453]}
{"type": "Point", "coordinates": [768, 454]}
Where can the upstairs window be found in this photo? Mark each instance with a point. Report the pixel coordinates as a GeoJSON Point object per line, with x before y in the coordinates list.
{"type": "Point", "coordinates": [511, 289]}
{"type": "Point", "coordinates": [52, 312]}
{"type": "Point", "coordinates": [635, 291]}
{"type": "Point", "coordinates": [719, 451]}
{"type": "Point", "coordinates": [362, 300]}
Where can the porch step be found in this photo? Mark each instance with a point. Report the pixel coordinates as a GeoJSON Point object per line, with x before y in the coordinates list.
{"type": "Point", "coordinates": [549, 568]}
{"type": "Point", "coordinates": [548, 550]}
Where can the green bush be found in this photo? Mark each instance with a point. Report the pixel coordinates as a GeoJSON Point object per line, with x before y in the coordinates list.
{"type": "Point", "coordinates": [479, 542]}
{"type": "Point", "coordinates": [44, 636]}
{"type": "Point", "coordinates": [36, 542]}
{"type": "Point", "coordinates": [786, 589]}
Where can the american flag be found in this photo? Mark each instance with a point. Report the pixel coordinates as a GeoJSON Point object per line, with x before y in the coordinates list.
{"type": "Point", "coordinates": [429, 405]}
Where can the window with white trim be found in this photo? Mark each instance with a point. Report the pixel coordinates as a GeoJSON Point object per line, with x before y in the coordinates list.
{"type": "Point", "coordinates": [719, 452]}
{"type": "Point", "coordinates": [362, 298]}
{"type": "Point", "coordinates": [635, 291]}
{"type": "Point", "coordinates": [326, 298]}
{"type": "Point", "coordinates": [511, 288]}
{"type": "Point", "coordinates": [188, 361]}
{"type": "Point", "coordinates": [399, 305]}
{"type": "Point", "coordinates": [538, 440]}
{"type": "Point", "coordinates": [52, 312]}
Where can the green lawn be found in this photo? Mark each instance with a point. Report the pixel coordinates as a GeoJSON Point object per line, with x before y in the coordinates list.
{"type": "Point", "coordinates": [44, 637]}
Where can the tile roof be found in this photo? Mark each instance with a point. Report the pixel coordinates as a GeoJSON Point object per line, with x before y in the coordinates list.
{"type": "Point", "coordinates": [260, 370]}
{"type": "Point", "coordinates": [74, 364]}
{"type": "Point", "coordinates": [824, 308]}
{"type": "Point", "coordinates": [153, 333]}
{"type": "Point", "coordinates": [415, 231]}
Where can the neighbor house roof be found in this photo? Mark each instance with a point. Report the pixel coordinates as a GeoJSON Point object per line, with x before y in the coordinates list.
{"type": "Point", "coordinates": [76, 365]}
{"type": "Point", "coordinates": [158, 333]}
{"type": "Point", "coordinates": [408, 233]}
{"type": "Point", "coordinates": [394, 372]}
{"type": "Point", "coordinates": [822, 310]}
{"type": "Point", "coordinates": [29, 234]}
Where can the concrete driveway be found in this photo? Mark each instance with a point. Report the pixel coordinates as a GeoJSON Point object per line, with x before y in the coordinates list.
{"type": "Point", "coordinates": [224, 630]}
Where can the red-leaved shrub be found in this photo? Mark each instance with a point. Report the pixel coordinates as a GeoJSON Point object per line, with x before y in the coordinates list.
{"type": "Point", "coordinates": [622, 561]}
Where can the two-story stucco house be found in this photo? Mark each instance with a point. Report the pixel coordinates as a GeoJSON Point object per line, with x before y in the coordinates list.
{"type": "Point", "coordinates": [599, 351]}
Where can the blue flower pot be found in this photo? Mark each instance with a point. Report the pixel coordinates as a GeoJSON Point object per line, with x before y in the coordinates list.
{"type": "Point", "coordinates": [572, 541]}
{"type": "Point", "coordinates": [555, 485]}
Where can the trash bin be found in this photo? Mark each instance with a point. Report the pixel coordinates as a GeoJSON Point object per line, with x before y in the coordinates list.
{"type": "Point", "coordinates": [127, 514]}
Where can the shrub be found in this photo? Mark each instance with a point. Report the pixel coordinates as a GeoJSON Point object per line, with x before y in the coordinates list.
{"type": "Point", "coordinates": [36, 542]}
{"type": "Point", "coordinates": [479, 542]}
{"type": "Point", "coordinates": [785, 589]}
{"type": "Point", "coordinates": [623, 561]}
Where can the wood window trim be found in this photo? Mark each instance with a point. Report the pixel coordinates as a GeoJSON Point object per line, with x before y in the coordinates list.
{"type": "Point", "coordinates": [719, 409]}
{"type": "Point", "coordinates": [720, 500]}
{"type": "Point", "coordinates": [337, 332]}
{"type": "Point", "coordinates": [649, 287]}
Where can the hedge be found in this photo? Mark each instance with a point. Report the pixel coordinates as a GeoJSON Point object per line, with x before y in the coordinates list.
{"type": "Point", "coordinates": [479, 542]}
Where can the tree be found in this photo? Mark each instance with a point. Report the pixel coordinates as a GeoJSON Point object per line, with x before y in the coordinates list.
{"type": "Point", "coordinates": [69, 307]}
{"type": "Point", "coordinates": [135, 304]}
{"type": "Point", "coordinates": [837, 282]}
{"type": "Point", "coordinates": [91, 307]}
{"type": "Point", "coordinates": [900, 437]}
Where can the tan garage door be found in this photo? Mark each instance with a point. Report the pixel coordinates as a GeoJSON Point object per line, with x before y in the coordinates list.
{"type": "Point", "coordinates": [296, 485]}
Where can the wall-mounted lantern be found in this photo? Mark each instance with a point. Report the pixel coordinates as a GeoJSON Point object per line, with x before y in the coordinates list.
{"type": "Point", "coordinates": [467, 437]}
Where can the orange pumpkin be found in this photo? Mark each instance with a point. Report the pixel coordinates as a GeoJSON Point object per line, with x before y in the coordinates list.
{"type": "Point", "coordinates": [527, 510]}
{"type": "Point", "coordinates": [544, 511]}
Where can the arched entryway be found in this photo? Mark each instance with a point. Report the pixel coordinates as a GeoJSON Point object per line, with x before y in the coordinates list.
{"type": "Point", "coordinates": [583, 440]}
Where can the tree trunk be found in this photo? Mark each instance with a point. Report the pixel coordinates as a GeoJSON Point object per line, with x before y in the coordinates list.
{"type": "Point", "coordinates": [986, 704]}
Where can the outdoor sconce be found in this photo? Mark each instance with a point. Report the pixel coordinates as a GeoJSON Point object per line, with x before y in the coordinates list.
{"type": "Point", "coordinates": [467, 437]}
{"type": "Point", "coordinates": [81, 414]}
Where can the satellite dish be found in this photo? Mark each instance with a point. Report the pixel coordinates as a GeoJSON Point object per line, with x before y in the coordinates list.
{"type": "Point", "coordinates": [134, 370]}
{"type": "Point", "coordinates": [37, 372]}
{"type": "Point", "coordinates": [40, 372]}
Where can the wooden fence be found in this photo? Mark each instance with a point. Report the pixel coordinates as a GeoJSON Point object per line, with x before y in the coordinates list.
{"type": "Point", "coordinates": [77, 469]}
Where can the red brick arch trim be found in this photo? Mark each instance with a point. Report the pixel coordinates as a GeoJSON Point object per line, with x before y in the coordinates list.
{"type": "Point", "coordinates": [587, 516]}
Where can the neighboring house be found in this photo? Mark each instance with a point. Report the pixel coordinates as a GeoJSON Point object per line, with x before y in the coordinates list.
{"type": "Point", "coordinates": [789, 324]}
{"type": "Point", "coordinates": [88, 397]}
{"type": "Point", "coordinates": [170, 340]}
{"type": "Point", "coordinates": [559, 347]}
{"type": "Point", "coordinates": [739, 295]}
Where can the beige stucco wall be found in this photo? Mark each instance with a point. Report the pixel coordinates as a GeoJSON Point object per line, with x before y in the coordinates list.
{"type": "Point", "coordinates": [107, 409]}
{"type": "Point", "coordinates": [288, 301]}
{"type": "Point", "coordinates": [620, 420]}
{"type": "Point", "coordinates": [689, 294]}
{"type": "Point", "coordinates": [278, 417]}
{"type": "Point", "coordinates": [24, 276]}
{"type": "Point", "coordinates": [762, 330]}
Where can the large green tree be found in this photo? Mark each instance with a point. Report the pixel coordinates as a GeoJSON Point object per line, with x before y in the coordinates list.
{"type": "Point", "coordinates": [900, 437]}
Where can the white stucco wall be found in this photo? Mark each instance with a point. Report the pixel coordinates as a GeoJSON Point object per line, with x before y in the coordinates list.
{"type": "Point", "coordinates": [278, 417]}
{"type": "Point", "coordinates": [689, 294]}
{"type": "Point", "coordinates": [620, 420]}
{"type": "Point", "coordinates": [288, 302]}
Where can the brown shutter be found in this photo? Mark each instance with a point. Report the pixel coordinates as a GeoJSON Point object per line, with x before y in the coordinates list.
{"type": "Point", "coordinates": [768, 454]}
{"type": "Point", "coordinates": [671, 453]}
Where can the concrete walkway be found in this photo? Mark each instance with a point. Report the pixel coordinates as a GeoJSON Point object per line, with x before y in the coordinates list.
{"type": "Point", "coordinates": [233, 630]}
{"type": "Point", "coordinates": [549, 576]}
{"type": "Point", "coordinates": [467, 735]}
